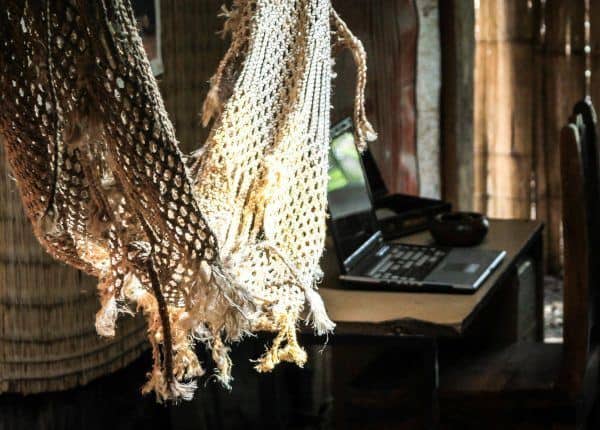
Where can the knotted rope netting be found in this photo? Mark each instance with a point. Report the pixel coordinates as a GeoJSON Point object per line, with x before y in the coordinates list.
{"type": "Point", "coordinates": [209, 247]}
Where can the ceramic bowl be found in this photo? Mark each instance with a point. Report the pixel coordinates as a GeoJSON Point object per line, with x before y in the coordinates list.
{"type": "Point", "coordinates": [459, 228]}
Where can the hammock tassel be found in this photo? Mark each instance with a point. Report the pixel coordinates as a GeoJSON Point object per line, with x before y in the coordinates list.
{"type": "Point", "coordinates": [220, 355]}
{"type": "Point", "coordinates": [182, 390]}
{"type": "Point", "coordinates": [317, 314]}
{"type": "Point", "coordinates": [232, 20]}
{"type": "Point", "coordinates": [107, 316]}
{"type": "Point", "coordinates": [285, 347]}
{"type": "Point", "coordinates": [156, 383]}
{"type": "Point", "coordinates": [213, 106]}
{"type": "Point", "coordinates": [174, 391]}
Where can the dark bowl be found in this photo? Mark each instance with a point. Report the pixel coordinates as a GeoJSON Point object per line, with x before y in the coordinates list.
{"type": "Point", "coordinates": [459, 228]}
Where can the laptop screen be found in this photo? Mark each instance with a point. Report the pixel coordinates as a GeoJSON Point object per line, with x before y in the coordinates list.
{"type": "Point", "coordinates": [352, 219]}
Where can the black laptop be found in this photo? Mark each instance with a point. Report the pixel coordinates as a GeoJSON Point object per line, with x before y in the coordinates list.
{"type": "Point", "coordinates": [369, 262]}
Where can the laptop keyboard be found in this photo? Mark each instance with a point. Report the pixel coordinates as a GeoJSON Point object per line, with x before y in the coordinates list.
{"type": "Point", "coordinates": [407, 264]}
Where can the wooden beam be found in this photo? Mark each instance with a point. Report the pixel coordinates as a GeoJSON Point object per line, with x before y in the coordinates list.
{"type": "Point", "coordinates": [457, 23]}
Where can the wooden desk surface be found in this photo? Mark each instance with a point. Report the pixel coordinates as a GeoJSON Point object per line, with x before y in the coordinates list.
{"type": "Point", "coordinates": [425, 314]}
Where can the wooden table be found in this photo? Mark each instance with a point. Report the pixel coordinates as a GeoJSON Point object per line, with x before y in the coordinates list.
{"type": "Point", "coordinates": [364, 317]}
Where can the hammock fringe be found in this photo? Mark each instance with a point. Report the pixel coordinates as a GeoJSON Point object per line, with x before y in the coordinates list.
{"type": "Point", "coordinates": [318, 317]}
{"type": "Point", "coordinates": [213, 105]}
{"type": "Point", "coordinates": [285, 346]}
{"type": "Point", "coordinates": [106, 317]}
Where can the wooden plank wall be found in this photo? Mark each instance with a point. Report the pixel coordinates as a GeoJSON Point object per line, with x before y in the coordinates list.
{"type": "Point", "coordinates": [526, 83]}
{"type": "Point", "coordinates": [389, 30]}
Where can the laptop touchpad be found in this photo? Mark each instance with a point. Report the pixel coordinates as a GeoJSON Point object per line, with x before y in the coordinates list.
{"type": "Point", "coordinates": [461, 267]}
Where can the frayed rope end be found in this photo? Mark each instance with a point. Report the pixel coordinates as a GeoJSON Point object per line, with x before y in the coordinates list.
{"type": "Point", "coordinates": [106, 318]}
{"type": "Point", "coordinates": [317, 313]}
{"type": "Point", "coordinates": [212, 105]}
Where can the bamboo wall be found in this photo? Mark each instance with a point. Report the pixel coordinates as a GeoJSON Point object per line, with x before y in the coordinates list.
{"type": "Point", "coordinates": [526, 83]}
{"type": "Point", "coordinates": [191, 51]}
{"type": "Point", "coordinates": [504, 89]}
{"type": "Point", "coordinates": [48, 341]}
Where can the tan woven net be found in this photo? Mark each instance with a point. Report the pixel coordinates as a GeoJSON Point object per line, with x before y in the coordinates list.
{"type": "Point", "coordinates": [208, 247]}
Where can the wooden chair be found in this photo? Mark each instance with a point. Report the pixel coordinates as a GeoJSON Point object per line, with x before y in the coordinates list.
{"type": "Point", "coordinates": [537, 385]}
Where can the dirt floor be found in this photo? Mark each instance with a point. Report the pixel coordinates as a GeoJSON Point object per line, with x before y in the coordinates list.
{"type": "Point", "coordinates": [553, 309]}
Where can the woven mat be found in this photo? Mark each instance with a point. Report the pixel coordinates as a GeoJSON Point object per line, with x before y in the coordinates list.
{"type": "Point", "coordinates": [47, 337]}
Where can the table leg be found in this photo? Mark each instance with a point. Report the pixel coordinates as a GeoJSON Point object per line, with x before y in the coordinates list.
{"type": "Point", "coordinates": [538, 259]}
{"type": "Point", "coordinates": [396, 379]}
{"type": "Point", "coordinates": [430, 370]}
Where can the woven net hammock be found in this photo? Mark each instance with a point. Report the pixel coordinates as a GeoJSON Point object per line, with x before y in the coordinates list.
{"type": "Point", "coordinates": [210, 246]}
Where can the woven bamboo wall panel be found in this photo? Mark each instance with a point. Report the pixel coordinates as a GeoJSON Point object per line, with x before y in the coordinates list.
{"type": "Point", "coordinates": [529, 73]}
{"type": "Point", "coordinates": [191, 50]}
{"type": "Point", "coordinates": [48, 340]}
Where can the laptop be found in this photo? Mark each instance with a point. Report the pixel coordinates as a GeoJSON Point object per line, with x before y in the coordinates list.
{"type": "Point", "coordinates": [369, 262]}
{"type": "Point", "coordinates": [397, 214]}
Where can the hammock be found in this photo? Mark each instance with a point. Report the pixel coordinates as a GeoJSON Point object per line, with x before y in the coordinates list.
{"type": "Point", "coordinates": [209, 247]}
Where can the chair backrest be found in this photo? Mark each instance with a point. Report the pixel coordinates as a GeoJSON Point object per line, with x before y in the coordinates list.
{"type": "Point", "coordinates": [581, 234]}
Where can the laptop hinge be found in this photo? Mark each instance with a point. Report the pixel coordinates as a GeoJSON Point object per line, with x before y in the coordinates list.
{"type": "Point", "coordinates": [371, 245]}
